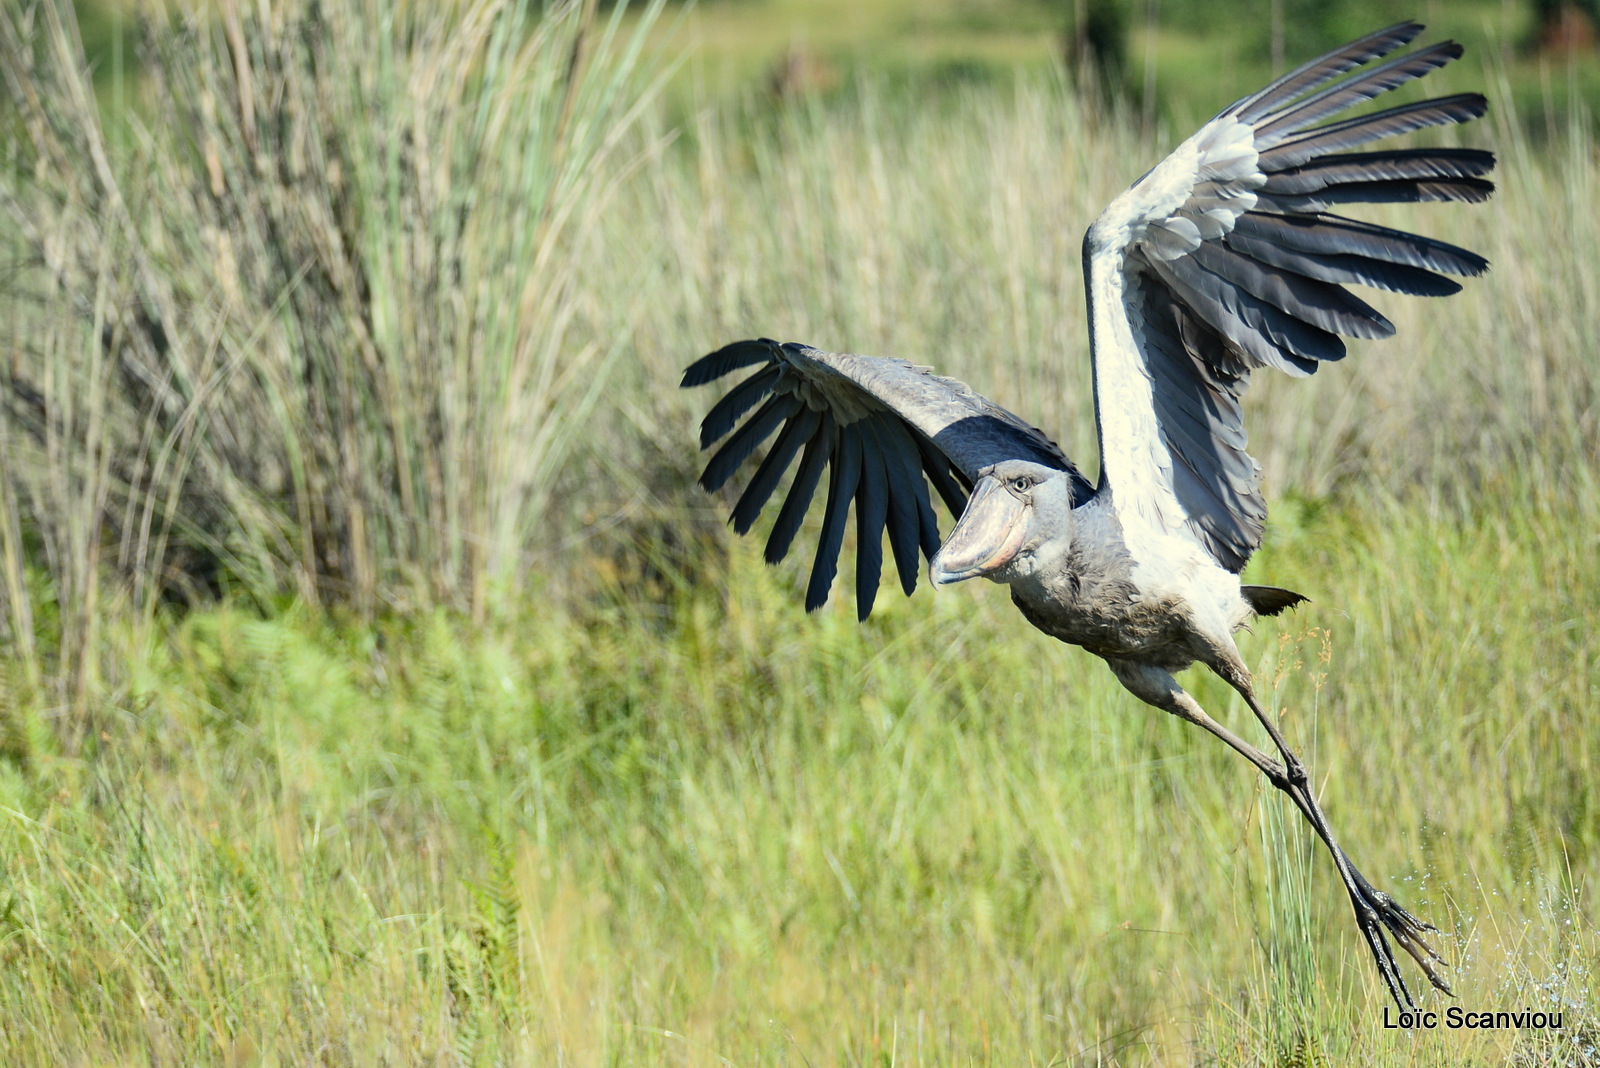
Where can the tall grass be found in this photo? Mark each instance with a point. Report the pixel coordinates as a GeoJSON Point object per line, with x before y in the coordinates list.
{"type": "Point", "coordinates": [305, 324]}
{"type": "Point", "coordinates": [331, 817]}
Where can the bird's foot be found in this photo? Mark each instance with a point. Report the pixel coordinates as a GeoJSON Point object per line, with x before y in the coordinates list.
{"type": "Point", "coordinates": [1377, 914]}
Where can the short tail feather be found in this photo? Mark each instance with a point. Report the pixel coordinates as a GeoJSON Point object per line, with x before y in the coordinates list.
{"type": "Point", "coordinates": [1270, 600]}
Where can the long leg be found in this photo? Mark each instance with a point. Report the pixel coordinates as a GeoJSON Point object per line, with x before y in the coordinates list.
{"type": "Point", "coordinates": [1375, 911]}
{"type": "Point", "coordinates": [1407, 929]}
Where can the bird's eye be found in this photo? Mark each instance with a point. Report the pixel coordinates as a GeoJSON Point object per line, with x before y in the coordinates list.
{"type": "Point", "coordinates": [1021, 484]}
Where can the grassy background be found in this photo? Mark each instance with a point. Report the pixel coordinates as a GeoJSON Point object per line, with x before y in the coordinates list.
{"type": "Point", "coordinates": [1178, 57]}
{"type": "Point", "coordinates": [746, 836]}
{"type": "Point", "coordinates": [564, 774]}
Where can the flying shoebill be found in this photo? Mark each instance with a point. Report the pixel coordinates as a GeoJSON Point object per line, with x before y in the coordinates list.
{"type": "Point", "coordinates": [1225, 259]}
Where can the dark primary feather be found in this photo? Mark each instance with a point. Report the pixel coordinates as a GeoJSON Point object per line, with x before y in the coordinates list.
{"type": "Point", "coordinates": [1325, 306]}
{"type": "Point", "coordinates": [1464, 190]}
{"type": "Point", "coordinates": [737, 449]}
{"type": "Point", "coordinates": [1345, 268]}
{"type": "Point", "coordinates": [1324, 69]}
{"type": "Point", "coordinates": [927, 522]}
{"type": "Point", "coordinates": [1365, 86]}
{"type": "Point", "coordinates": [842, 482]}
{"type": "Point", "coordinates": [905, 482]}
{"type": "Point", "coordinates": [941, 473]}
{"type": "Point", "coordinates": [804, 487]}
{"type": "Point", "coordinates": [872, 512]}
{"type": "Point", "coordinates": [1402, 118]}
{"type": "Point", "coordinates": [726, 412]}
{"type": "Point", "coordinates": [1420, 164]}
{"type": "Point", "coordinates": [1322, 233]}
{"type": "Point", "coordinates": [1270, 600]}
{"type": "Point", "coordinates": [796, 432]}
{"type": "Point", "coordinates": [724, 360]}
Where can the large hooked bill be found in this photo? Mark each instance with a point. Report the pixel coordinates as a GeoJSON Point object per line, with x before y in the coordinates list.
{"type": "Point", "coordinates": [987, 537]}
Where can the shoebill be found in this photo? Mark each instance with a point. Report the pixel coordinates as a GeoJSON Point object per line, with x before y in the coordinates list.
{"type": "Point", "coordinates": [1226, 259]}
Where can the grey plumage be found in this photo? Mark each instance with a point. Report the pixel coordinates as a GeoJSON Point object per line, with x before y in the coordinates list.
{"type": "Point", "coordinates": [1199, 412]}
{"type": "Point", "coordinates": [1221, 261]}
{"type": "Point", "coordinates": [1362, 168]}
{"type": "Point", "coordinates": [1400, 119]}
{"type": "Point", "coordinates": [1323, 69]}
{"type": "Point", "coordinates": [1372, 83]}
{"type": "Point", "coordinates": [1319, 235]}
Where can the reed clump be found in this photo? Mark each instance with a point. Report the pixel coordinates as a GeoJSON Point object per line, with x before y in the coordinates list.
{"type": "Point", "coordinates": [301, 322]}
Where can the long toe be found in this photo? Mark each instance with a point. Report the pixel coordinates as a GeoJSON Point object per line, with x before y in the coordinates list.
{"type": "Point", "coordinates": [1382, 914]}
{"type": "Point", "coordinates": [1372, 925]}
{"type": "Point", "coordinates": [1407, 931]}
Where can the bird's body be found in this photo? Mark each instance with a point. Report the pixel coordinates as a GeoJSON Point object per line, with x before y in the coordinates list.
{"type": "Point", "coordinates": [1157, 601]}
{"type": "Point", "coordinates": [1221, 261]}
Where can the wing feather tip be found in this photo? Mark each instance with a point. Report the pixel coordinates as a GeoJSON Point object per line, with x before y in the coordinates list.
{"type": "Point", "coordinates": [725, 360]}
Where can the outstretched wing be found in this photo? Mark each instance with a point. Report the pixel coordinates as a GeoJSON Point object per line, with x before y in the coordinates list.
{"type": "Point", "coordinates": [879, 426]}
{"type": "Point", "coordinates": [1225, 258]}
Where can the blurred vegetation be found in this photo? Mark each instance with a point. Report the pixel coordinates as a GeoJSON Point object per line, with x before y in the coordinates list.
{"type": "Point", "coordinates": [317, 314]}
{"type": "Point", "coordinates": [755, 837]}
{"type": "Point", "coordinates": [376, 688]}
{"type": "Point", "coordinates": [1182, 54]}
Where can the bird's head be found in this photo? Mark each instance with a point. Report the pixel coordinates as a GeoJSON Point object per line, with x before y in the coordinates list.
{"type": "Point", "coordinates": [1018, 518]}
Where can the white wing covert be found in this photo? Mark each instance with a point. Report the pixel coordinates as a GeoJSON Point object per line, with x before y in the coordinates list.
{"type": "Point", "coordinates": [1224, 258]}
{"type": "Point", "coordinates": [884, 428]}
